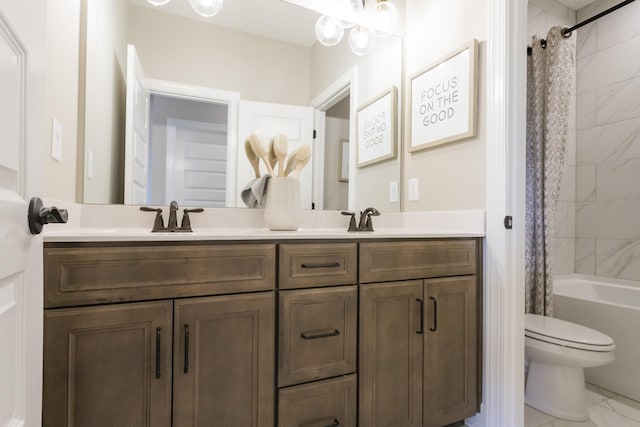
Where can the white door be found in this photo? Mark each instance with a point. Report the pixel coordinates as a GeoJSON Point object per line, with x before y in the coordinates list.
{"type": "Point", "coordinates": [136, 163]}
{"type": "Point", "coordinates": [22, 67]}
{"type": "Point", "coordinates": [196, 163]}
{"type": "Point", "coordinates": [269, 119]}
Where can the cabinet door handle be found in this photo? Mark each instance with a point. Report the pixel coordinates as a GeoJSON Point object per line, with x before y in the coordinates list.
{"type": "Point", "coordinates": [321, 265]}
{"type": "Point", "coordinates": [332, 422]}
{"type": "Point", "coordinates": [316, 335]}
{"type": "Point", "coordinates": [435, 314]}
{"type": "Point", "coordinates": [421, 330]}
{"type": "Point", "coordinates": [186, 349]}
{"type": "Point", "coordinates": [158, 343]}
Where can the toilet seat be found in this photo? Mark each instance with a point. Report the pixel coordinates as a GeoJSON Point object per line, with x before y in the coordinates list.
{"type": "Point", "coordinates": [566, 334]}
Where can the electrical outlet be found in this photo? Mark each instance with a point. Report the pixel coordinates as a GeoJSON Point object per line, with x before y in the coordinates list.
{"type": "Point", "coordinates": [393, 192]}
{"type": "Point", "coordinates": [414, 192]}
{"type": "Point", "coordinates": [56, 140]}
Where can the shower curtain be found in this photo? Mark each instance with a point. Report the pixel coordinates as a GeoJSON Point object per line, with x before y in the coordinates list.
{"type": "Point", "coordinates": [550, 73]}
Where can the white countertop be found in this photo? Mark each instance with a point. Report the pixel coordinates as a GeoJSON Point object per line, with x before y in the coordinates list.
{"type": "Point", "coordinates": [138, 234]}
{"type": "Point", "coordinates": [95, 223]}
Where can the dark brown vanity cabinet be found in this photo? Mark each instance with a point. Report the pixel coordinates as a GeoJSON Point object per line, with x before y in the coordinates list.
{"type": "Point", "coordinates": [318, 306]}
{"type": "Point", "coordinates": [419, 339]}
{"type": "Point", "coordinates": [208, 360]}
{"type": "Point", "coordinates": [375, 333]}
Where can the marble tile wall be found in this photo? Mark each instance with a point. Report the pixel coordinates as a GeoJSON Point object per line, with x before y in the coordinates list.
{"type": "Point", "coordinates": [607, 174]}
{"type": "Point", "coordinates": [542, 15]}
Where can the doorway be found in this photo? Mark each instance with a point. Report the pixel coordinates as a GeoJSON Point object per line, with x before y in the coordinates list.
{"type": "Point", "coordinates": [336, 165]}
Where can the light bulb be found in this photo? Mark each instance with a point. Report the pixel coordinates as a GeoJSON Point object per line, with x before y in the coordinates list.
{"type": "Point", "coordinates": [361, 40]}
{"type": "Point", "coordinates": [206, 8]}
{"type": "Point", "coordinates": [329, 32]}
{"type": "Point", "coordinates": [386, 17]}
{"type": "Point", "coordinates": [158, 2]}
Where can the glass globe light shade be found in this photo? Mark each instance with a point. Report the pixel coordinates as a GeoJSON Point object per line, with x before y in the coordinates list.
{"type": "Point", "coordinates": [361, 40]}
{"type": "Point", "coordinates": [349, 7]}
{"type": "Point", "coordinates": [206, 8]}
{"type": "Point", "coordinates": [329, 32]}
{"type": "Point", "coordinates": [158, 2]}
{"type": "Point", "coordinates": [386, 17]}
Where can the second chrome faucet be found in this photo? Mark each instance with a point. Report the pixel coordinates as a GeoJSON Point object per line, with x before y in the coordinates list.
{"type": "Point", "coordinates": [365, 223]}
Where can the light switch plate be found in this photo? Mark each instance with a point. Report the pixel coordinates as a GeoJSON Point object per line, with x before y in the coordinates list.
{"type": "Point", "coordinates": [393, 192]}
{"type": "Point", "coordinates": [56, 140]}
{"type": "Point", "coordinates": [414, 192]}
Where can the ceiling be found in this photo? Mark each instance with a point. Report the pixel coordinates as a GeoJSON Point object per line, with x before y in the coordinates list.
{"type": "Point", "coordinates": [576, 4]}
{"type": "Point", "coordinates": [268, 18]}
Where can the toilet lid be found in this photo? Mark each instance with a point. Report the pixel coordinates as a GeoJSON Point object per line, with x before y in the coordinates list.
{"type": "Point", "coordinates": [565, 333]}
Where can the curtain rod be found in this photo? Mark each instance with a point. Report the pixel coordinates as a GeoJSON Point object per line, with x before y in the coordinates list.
{"type": "Point", "coordinates": [567, 31]}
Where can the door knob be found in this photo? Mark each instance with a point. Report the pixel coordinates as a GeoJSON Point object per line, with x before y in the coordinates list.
{"type": "Point", "coordinates": [39, 215]}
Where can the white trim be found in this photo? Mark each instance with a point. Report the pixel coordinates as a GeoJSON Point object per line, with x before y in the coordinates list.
{"type": "Point", "coordinates": [232, 99]}
{"type": "Point", "coordinates": [504, 249]}
{"type": "Point", "coordinates": [335, 92]}
{"type": "Point", "coordinates": [317, 183]}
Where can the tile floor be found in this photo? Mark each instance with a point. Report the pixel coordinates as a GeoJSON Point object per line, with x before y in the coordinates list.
{"type": "Point", "coordinates": [607, 409]}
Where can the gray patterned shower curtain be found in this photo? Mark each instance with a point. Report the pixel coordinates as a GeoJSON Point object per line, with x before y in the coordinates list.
{"type": "Point", "coordinates": [549, 78]}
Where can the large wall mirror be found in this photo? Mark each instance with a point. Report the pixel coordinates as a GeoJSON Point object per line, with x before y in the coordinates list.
{"type": "Point", "coordinates": [205, 84]}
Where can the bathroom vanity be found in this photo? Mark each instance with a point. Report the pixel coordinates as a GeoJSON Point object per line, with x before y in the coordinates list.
{"type": "Point", "coordinates": [261, 331]}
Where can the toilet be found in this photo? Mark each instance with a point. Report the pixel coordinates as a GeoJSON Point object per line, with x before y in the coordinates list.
{"type": "Point", "coordinates": [558, 351]}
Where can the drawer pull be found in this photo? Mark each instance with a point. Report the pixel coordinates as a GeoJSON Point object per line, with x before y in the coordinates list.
{"type": "Point", "coordinates": [322, 265]}
{"type": "Point", "coordinates": [316, 335]}
{"type": "Point", "coordinates": [332, 422]}
{"type": "Point", "coordinates": [158, 342]}
{"type": "Point", "coordinates": [421, 330]}
{"type": "Point", "coordinates": [186, 349]}
{"type": "Point", "coordinates": [435, 314]}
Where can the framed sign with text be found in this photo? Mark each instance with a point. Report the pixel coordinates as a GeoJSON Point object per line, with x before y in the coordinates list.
{"type": "Point", "coordinates": [443, 100]}
{"type": "Point", "coordinates": [376, 129]}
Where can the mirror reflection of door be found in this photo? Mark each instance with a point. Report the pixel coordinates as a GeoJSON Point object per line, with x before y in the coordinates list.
{"type": "Point", "coordinates": [336, 189]}
{"type": "Point", "coordinates": [188, 152]}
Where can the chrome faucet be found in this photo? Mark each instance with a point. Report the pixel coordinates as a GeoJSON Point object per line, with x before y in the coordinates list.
{"type": "Point", "coordinates": [172, 225]}
{"type": "Point", "coordinates": [365, 219]}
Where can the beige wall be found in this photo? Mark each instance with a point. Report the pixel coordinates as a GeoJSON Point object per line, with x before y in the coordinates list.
{"type": "Point", "coordinates": [335, 192]}
{"type": "Point", "coordinates": [377, 72]}
{"type": "Point", "coordinates": [61, 99]}
{"type": "Point", "coordinates": [105, 87]}
{"type": "Point", "coordinates": [184, 50]}
{"type": "Point", "coordinates": [453, 175]}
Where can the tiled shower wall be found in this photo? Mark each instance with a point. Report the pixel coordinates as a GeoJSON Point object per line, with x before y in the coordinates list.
{"type": "Point", "coordinates": [542, 15]}
{"type": "Point", "coordinates": [607, 176]}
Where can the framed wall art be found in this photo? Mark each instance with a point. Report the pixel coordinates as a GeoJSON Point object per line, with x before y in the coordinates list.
{"type": "Point", "coordinates": [376, 124]}
{"type": "Point", "coordinates": [443, 99]}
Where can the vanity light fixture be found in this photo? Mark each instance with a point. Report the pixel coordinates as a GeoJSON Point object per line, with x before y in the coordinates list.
{"type": "Point", "coordinates": [378, 20]}
{"type": "Point", "coordinates": [204, 8]}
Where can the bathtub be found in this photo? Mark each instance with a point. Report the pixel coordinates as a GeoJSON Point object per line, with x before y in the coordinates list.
{"type": "Point", "coordinates": [611, 306]}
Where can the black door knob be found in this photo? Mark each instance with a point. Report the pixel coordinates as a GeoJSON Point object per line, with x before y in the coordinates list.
{"type": "Point", "coordinates": [39, 215]}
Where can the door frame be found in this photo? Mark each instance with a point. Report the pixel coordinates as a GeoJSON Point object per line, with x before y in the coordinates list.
{"type": "Point", "coordinates": [207, 94]}
{"type": "Point", "coordinates": [504, 249]}
{"type": "Point", "coordinates": [330, 96]}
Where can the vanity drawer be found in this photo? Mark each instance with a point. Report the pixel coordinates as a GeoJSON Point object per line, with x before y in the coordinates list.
{"type": "Point", "coordinates": [310, 265]}
{"type": "Point", "coordinates": [318, 330]}
{"type": "Point", "coordinates": [101, 274]}
{"type": "Point", "coordinates": [328, 403]}
{"type": "Point", "coordinates": [380, 262]}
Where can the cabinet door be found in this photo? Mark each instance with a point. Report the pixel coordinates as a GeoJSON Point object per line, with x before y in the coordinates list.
{"type": "Point", "coordinates": [108, 366]}
{"type": "Point", "coordinates": [224, 361]}
{"type": "Point", "coordinates": [451, 350]}
{"type": "Point", "coordinates": [390, 373]}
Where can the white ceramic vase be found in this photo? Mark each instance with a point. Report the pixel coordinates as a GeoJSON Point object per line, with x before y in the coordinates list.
{"type": "Point", "coordinates": [282, 209]}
